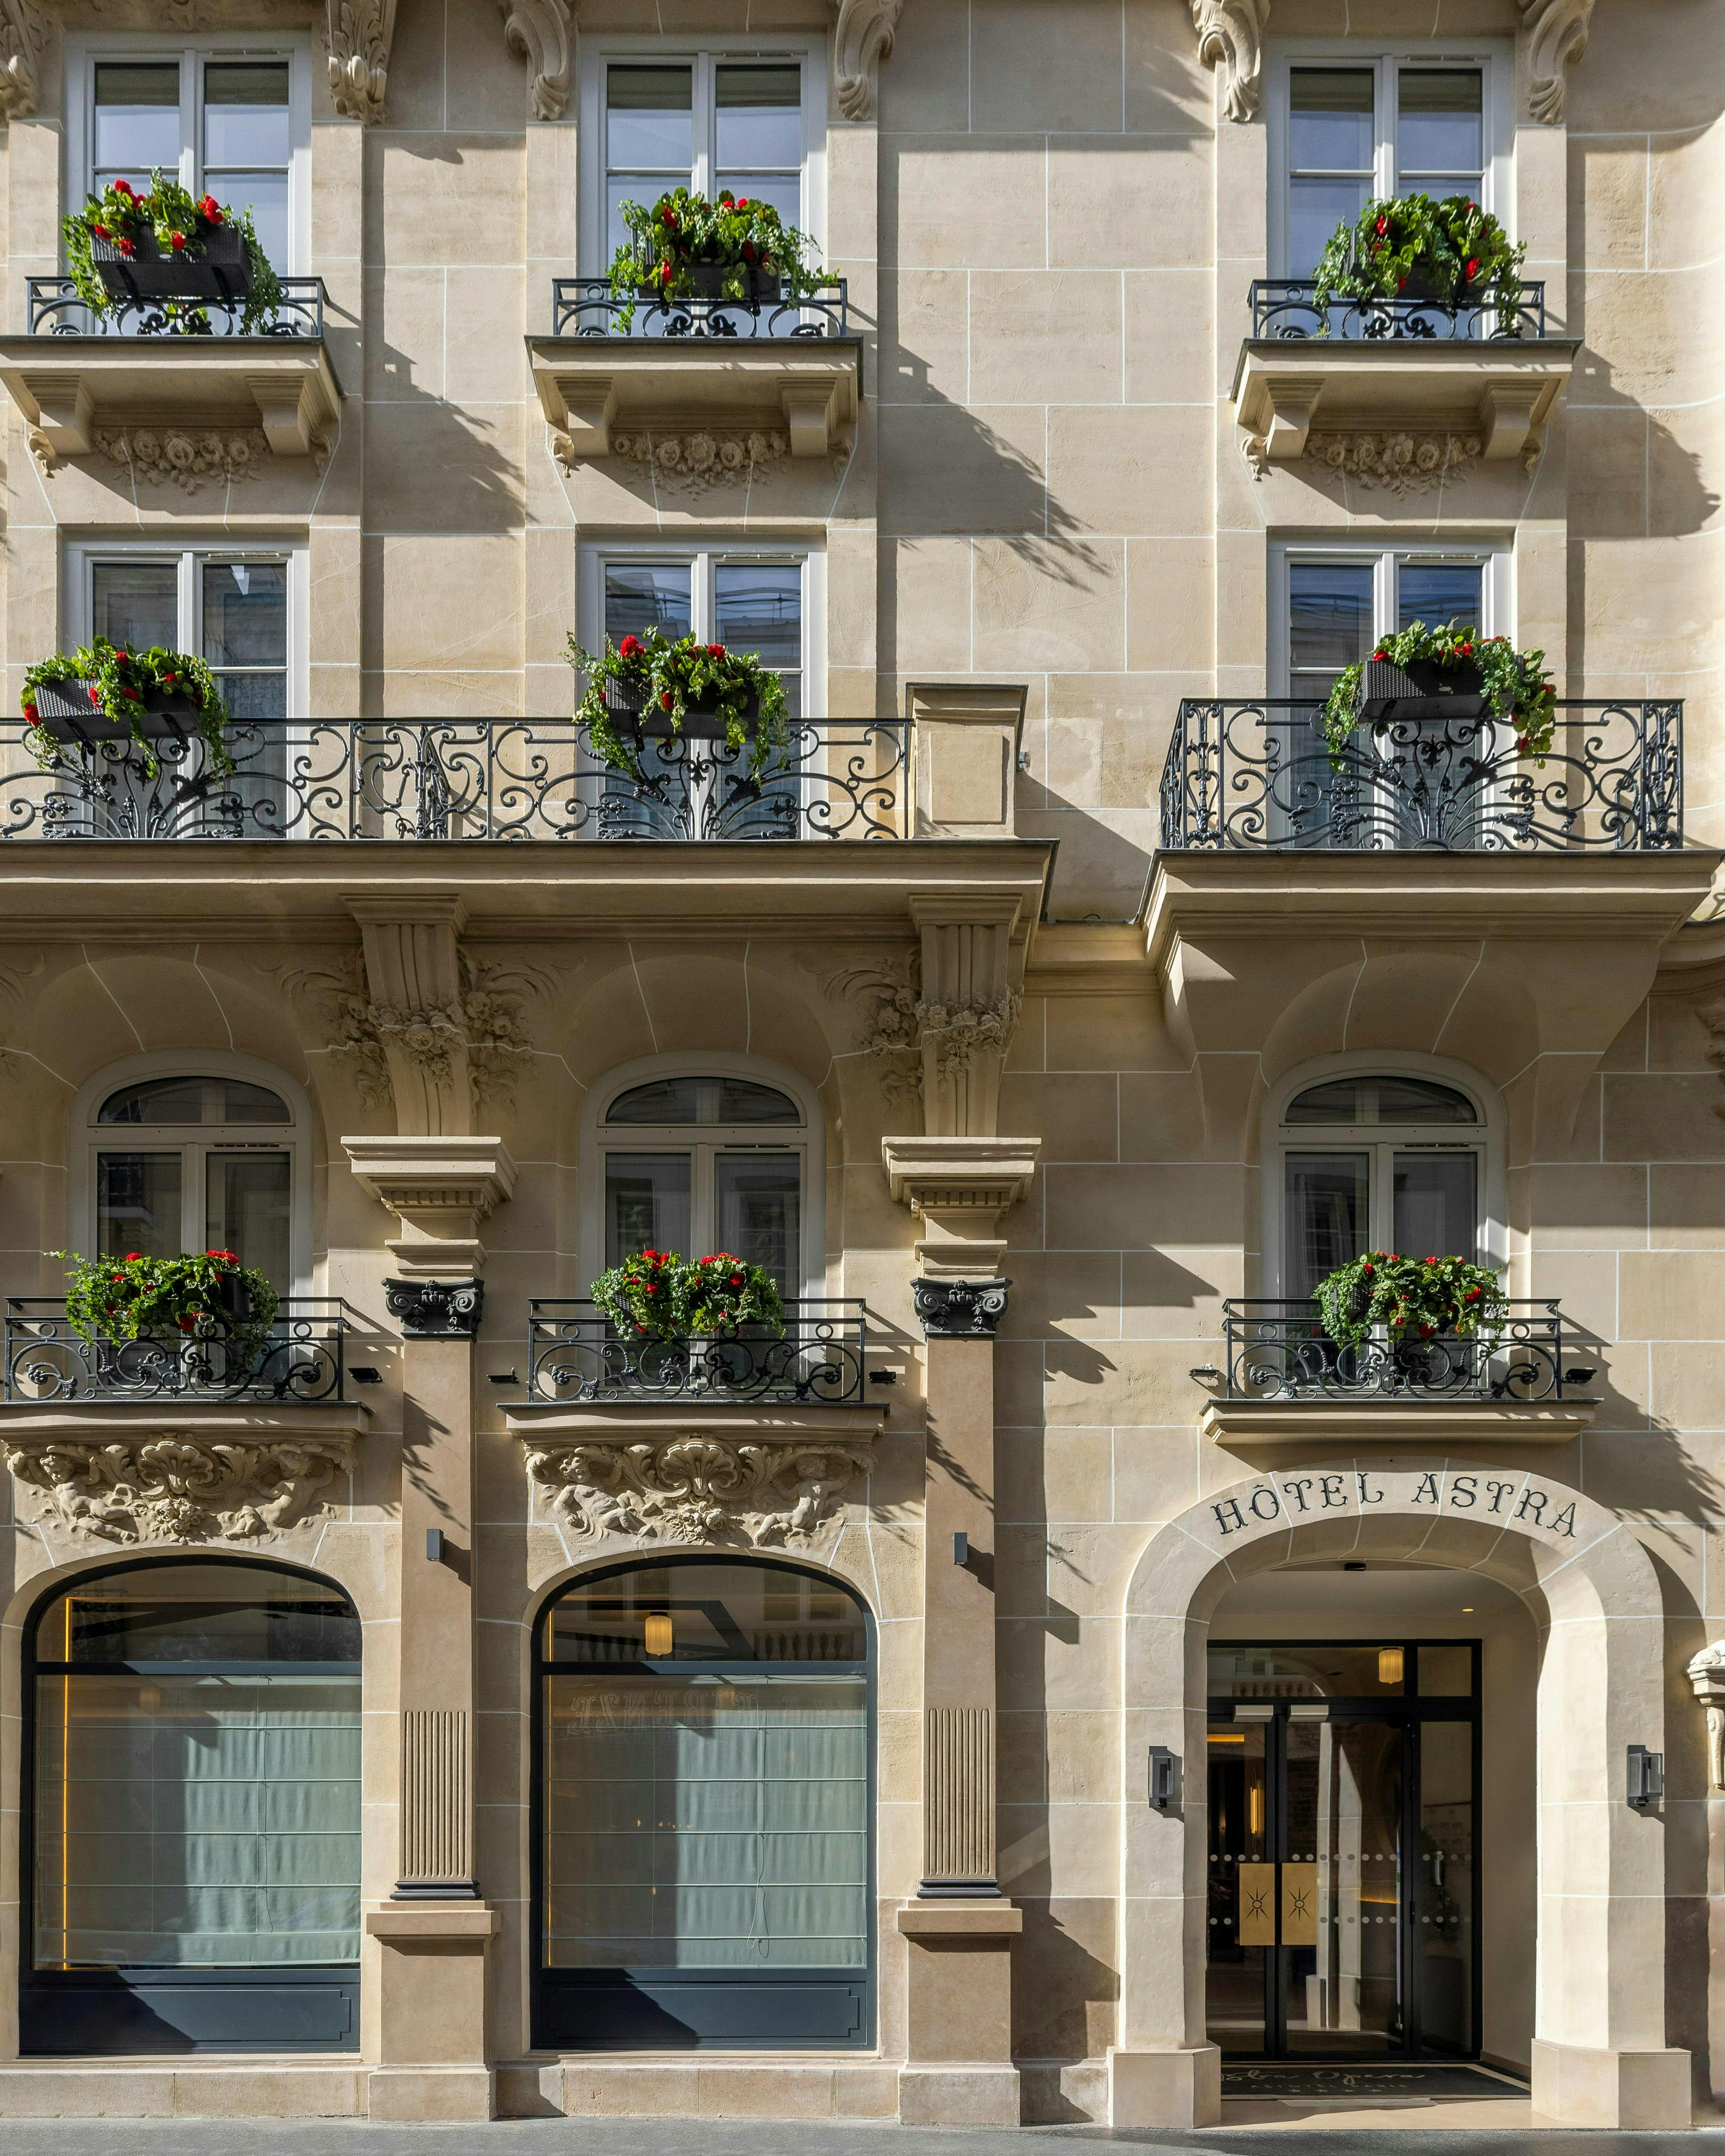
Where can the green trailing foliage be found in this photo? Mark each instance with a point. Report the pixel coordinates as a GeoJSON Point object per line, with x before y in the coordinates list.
{"type": "Point", "coordinates": [121, 683]}
{"type": "Point", "coordinates": [659, 1295]}
{"type": "Point", "coordinates": [181, 225]}
{"type": "Point", "coordinates": [737, 234]}
{"type": "Point", "coordinates": [142, 1298]}
{"type": "Point", "coordinates": [664, 677]}
{"type": "Point", "coordinates": [1515, 684]}
{"type": "Point", "coordinates": [1410, 1299]}
{"type": "Point", "coordinates": [1458, 252]}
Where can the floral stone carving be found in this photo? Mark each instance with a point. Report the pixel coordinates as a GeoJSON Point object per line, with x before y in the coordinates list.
{"type": "Point", "coordinates": [698, 460]}
{"type": "Point", "coordinates": [904, 1023]}
{"type": "Point", "coordinates": [700, 1489]}
{"type": "Point", "coordinates": [176, 1487]}
{"type": "Point", "coordinates": [188, 457]}
{"type": "Point", "coordinates": [489, 1024]}
{"type": "Point", "coordinates": [1402, 463]}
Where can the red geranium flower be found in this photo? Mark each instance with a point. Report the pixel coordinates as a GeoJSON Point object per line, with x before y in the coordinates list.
{"type": "Point", "coordinates": [132, 1255]}
{"type": "Point", "coordinates": [126, 248]}
{"type": "Point", "coordinates": [30, 712]}
{"type": "Point", "coordinates": [179, 242]}
{"type": "Point", "coordinates": [630, 647]}
{"type": "Point", "coordinates": [99, 230]}
{"type": "Point", "coordinates": [715, 651]}
{"type": "Point", "coordinates": [742, 202]}
{"type": "Point", "coordinates": [95, 697]}
{"type": "Point", "coordinates": [124, 188]}
{"type": "Point", "coordinates": [664, 701]}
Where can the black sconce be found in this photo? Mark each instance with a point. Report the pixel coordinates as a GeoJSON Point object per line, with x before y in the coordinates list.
{"type": "Point", "coordinates": [1646, 1777]}
{"type": "Point", "coordinates": [1162, 1778]}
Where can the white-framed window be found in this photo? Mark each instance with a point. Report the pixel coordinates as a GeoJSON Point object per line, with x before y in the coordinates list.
{"type": "Point", "coordinates": [1330, 602]}
{"type": "Point", "coordinates": [743, 597]}
{"type": "Point", "coordinates": [241, 608]}
{"type": "Point", "coordinates": [1349, 124]}
{"type": "Point", "coordinates": [1390, 1151]}
{"type": "Point", "coordinates": [194, 1151]}
{"type": "Point", "coordinates": [705, 1153]}
{"type": "Point", "coordinates": [750, 116]}
{"type": "Point", "coordinates": [229, 114]}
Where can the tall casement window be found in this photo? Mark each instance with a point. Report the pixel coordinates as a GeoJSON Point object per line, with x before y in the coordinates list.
{"type": "Point", "coordinates": [704, 1163]}
{"type": "Point", "coordinates": [192, 1851]}
{"type": "Point", "coordinates": [704, 1866]}
{"type": "Point", "coordinates": [239, 610]}
{"type": "Point", "coordinates": [748, 121]}
{"type": "Point", "coordinates": [1337, 602]}
{"type": "Point", "coordinates": [1388, 1161]}
{"type": "Point", "coordinates": [197, 1162]}
{"type": "Point", "coordinates": [1348, 127]}
{"type": "Point", "coordinates": [230, 118]}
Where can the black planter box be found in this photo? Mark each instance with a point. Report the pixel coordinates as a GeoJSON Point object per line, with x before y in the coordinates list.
{"type": "Point", "coordinates": [1421, 689]}
{"type": "Point", "coordinates": [224, 271]}
{"type": "Point", "coordinates": [708, 278]}
{"type": "Point", "coordinates": [63, 709]}
{"type": "Point", "coordinates": [702, 722]}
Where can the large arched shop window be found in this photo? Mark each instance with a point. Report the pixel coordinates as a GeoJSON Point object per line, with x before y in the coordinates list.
{"type": "Point", "coordinates": [191, 1859]}
{"type": "Point", "coordinates": [704, 1874]}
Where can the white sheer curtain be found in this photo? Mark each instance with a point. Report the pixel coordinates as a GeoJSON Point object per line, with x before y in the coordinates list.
{"type": "Point", "coordinates": [706, 1826]}
{"type": "Point", "coordinates": [196, 1820]}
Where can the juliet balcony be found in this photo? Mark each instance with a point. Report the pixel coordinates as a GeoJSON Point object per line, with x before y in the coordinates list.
{"type": "Point", "coordinates": [576, 1356]}
{"type": "Point", "coordinates": [303, 1359]}
{"type": "Point", "coordinates": [1254, 775]}
{"type": "Point", "coordinates": [173, 392]}
{"type": "Point", "coordinates": [1406, 390]}
{"type": "Point", "coordinates": [1283, 1381]}
{"type": "Point", "coordinates": [701, 389]}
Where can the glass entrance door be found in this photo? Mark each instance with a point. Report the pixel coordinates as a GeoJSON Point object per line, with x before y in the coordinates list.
{"type": "Point", "coordinates": [1343, 1801]}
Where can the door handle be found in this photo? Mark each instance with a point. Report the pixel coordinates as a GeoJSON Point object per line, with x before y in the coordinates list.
{"type": "Point", "coordinates": [1257, 1904]}
{"type": "Point", "coordinates": [1299, 1905]}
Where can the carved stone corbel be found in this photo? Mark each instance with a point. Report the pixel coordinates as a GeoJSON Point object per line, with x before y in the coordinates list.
{"type": "Point", "coordinates": [861, 40]}
{"type": "Point", "coordinates": [23, 34]}
{"type": "Point", "coordinates": [442, 1190]}
{"type": "Point", "coordinates": [414, 968]}
{"type": "Point", "coordinates": [359, 33]}
{"type": "Point", "coordinates": [968, 1011]}
{"type": "Point", "coordinates": [537, 31]}
{"type": "Point", "coordinates": [958, 1188]}
{"type": "Point", "coordinates": [1230, 36]}
{"type": "Point", "coordinates": [1707, 1673]}
{"type": "Point", "coordinates": [1554, 37]}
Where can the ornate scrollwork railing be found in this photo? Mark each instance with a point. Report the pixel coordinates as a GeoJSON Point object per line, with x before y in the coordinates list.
{"type": "Point", "coordinates": [586, 307]}
{"type": "Point", "coordinates": [1280, 1351]}
{"type": "Point", "coordinates": [455, 778]}
{"type": "Point", "coordinates": [1283, 307]}
{"type": "Point", "coordinates": [56, 310]}
{"type": "Point", "coordinates": [575, 1354]}
{"type": "Point", "coordinates": [1256, 774]}
{"type": "Point", "coordinates": [302, 1358]}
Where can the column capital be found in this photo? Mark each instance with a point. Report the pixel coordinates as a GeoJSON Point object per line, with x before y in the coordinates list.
{"type": "Point", "coordinates": [959, 1310]}
{"type": "Point", "coordinates": [436, 1309]}
{"type": "Point", "coordinates": [441, 1189]}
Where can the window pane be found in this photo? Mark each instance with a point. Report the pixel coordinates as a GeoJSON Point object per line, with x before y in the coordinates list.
{"type": "Point", "coordinates": [706, 1826]}
{"type": "Point", "coordinates": [1329, 617]}
{"type": "Point", "coordinates": [245, 614]}
{"type": "Point", "coordinates": [1437, 594]}
{"type": "Point", "coordinates": [199, 1613]}
{"type": "Point", "coordinates": [134, 604]}
{"type": "Point", "coordinates": [1315, 209]}
{"type": "Point", "coordinates": [245, 113]}
{"type": "Point", "coordinates": [649, 119]}
{"type": "Point", "coordinates": [1326, 1216]}
{"type": "Point", "coordinates": [254, 696]}
{"type": "Point", "coordinates": [760, 116]}
{"type": "Point", "coordinates": [1440, 127]}
{"type": "Point", "coordinates": [1443, 1919]}
{"type": "Point", "coordinates": [194, 1100]}
{"type": "Point", "coordinates": [1413, 1100]}
{"type": "Point", "coordinates": [703, 1101]}
{"type": "Point", "coordinates": [1330, 113]}
{"type": "Point", "coordinates": [760, 609]}
{"type": "Point", "coordinates": [137, 120]}
{"type": "Point", "coordinates": [138, 1205]}
{"type": "Point", "coordinates": [202, 1821]}
{"type": "Point", "coordinates": [265, 195]}
{"type": "Point", "coordinates": [646, 1204]}
{"type": "Point", "coordinates": [759, 1212]}
{"type": "Point", "coordinates": [643, 595]}
{"type": "Point", "coordinates": [1446, 1672]}
{"type": "Point", "coordinates": [1252, 1671]}
{"type": "Point", "coordinates": [1436, 1213]}
{"type": "Point", "coordinates": [719, 1612]}
{"type": "Point", "coordinates": [246, 1211]}
{"type": "Point", "coordinates": [784, 191]}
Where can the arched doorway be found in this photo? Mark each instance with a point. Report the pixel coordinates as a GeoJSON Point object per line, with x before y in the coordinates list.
{"type": "Point", "coordinates": [1600, 2055]}
{"type": "Point", "coordinates": [704, 1809]}
{"type": "Point", "coordinates": [191, 1832]}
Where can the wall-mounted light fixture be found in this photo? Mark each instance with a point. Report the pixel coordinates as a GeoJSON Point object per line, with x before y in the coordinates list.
{"type": "Point", "coordinates": [1162, 1777]}
{"type": "Point", "coordinates": [1646, 1777]}
{"type": "Point", "coordinates": [660, 1637]}
{"type": "Point", "coordinates": [961, 1547]}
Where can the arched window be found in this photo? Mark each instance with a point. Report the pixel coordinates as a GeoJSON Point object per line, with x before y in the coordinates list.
{"type": "Point", "coordinates": [1386, 1160]}
{"type": "Point", "coordinates": [197, 1160]}
{"type": "Point", "coordinates": [704, 1869]}
{"type": "Point", "coordinates": [192, 1859]}
{"type": "Point", "coordinates": [707, 1161]}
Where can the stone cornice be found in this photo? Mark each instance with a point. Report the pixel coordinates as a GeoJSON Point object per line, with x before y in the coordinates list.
{"type": "Point", "coordinates": [1319, 1427]}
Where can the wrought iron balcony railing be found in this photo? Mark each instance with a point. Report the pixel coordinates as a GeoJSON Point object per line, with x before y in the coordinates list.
{"type": "Point", "coordinates": [586, 307]}
{"type": "Point", "coordinates": [576, 1354]}
{"type": "Point", "coordinates": [1256, 774]}
{"type": "Point", "coordinates": [303, 1358]}
{"type": "Point", "coordinates": [56, 311]}
{"type": "Point", "coordinates": [455, 778]}
{"type": "Point", "coordinates": [1278, 1351]}
{"type": "Point", "coordinates": [1283, 307]}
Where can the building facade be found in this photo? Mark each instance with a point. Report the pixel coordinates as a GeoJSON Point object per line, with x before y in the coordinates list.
{"type": "Point", "coordinates": [1049, 1675]}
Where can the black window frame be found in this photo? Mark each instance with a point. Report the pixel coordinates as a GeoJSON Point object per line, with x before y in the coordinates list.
{"type": "Point", "coordinates": [605, 2009]}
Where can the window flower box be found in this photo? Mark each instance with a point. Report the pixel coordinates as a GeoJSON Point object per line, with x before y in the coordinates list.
{"type": "Point", "coordinates": [162, 246]}
{"type": "Point", "coordinates": [1420, 689]}
{"type": "Point", "coordinates": [651, 689]}
{"type": "Point", "coordinates": [99, 694]}
{"type": "Point", "coordinates": [223, 270]}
